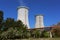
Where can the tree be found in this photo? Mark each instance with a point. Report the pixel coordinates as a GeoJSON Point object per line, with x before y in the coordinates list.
{"type": "Point", "coordinates": [1, 19]}
{"type": "Point", "coordinates": [9, 22]}
{"type": "Point", "coordinates": [1, 16]}
{"type": "Point", "coordinates": [45, 34]}
{"type": "Point", "coordinates": [56, 30]}
{"type": "Point", "coordinates": [37, 33]}
{"type": "Point", "coordinates": [10, 28]}
{"type": "Point", "coordinates": [14, 29]}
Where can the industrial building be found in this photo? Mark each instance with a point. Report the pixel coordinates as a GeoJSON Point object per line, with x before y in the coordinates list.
{"type": "Point", "coordinates": [23, 14]}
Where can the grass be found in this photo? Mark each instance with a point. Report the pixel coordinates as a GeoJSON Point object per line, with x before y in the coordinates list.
{"type": "Point", "coordinates": [39, 39]}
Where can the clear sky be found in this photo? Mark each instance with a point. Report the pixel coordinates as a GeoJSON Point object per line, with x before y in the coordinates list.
{"type": "Point", "coordinates": [49, 8]}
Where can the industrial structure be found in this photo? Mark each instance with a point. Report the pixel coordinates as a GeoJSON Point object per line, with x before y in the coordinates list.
{"type": "Point", "coordinates": [39, 21]}
{"type": "Point", "coordinates": [23, 15]}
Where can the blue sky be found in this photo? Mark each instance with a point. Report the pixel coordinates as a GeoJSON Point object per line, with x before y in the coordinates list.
{"type": "Point", "coordinates": [49, 8]}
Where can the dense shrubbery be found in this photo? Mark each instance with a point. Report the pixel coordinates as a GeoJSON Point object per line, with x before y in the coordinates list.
{"type": "Point", "coordinates": [11, 29]}
{"type": "Point", "coordinates": [17, 30]}
{"type": "Point", "coordinates": [56, 30]}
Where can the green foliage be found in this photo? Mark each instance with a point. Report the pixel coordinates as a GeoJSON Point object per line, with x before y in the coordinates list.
{"type": "Point", "coordinates": [1, 16]}
{"type": "Point", "coordinates": [11, 29]}
{"type": "Point", "coordinates": [1, 19]}
{"type": "Point", "coordinates": [56, 30]}
{"type": "Point", "coordinates": [45, 34]}
{"type": "Point", "coordinates": [37, 33]}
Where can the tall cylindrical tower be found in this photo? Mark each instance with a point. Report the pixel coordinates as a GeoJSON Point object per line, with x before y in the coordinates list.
{"type": "Point", "coordinates": [39, 21]}
{"type": "Point", "coordinates": [23, 15]}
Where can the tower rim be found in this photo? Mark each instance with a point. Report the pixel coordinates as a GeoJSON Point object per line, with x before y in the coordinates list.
{"type": "Point", "coordinates": [23, 7]}
{"type": "Point", "coordinates": [39, 15]}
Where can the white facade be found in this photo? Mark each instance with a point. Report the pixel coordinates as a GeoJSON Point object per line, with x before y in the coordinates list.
{"type": "Point", "coordinates": [23, 15]}
{"type": "Point", "coordinates": [39, 21]}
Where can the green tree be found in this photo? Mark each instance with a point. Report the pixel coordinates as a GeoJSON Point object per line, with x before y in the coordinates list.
{"type": "Point", "coordinates": [56, 30]}
{"type": "Point", "coordinates": [1, 16]}
{"type": "Point", "coordinates": [14, 29]}
{"type": "Point", "coordinates": [45, 34]}
{"type": "Point", "coordinates": [1, 19]}
{"type": "Point", "coordinates": [9, 23]}
{"type": "Point", "coordinates": [37, 33]}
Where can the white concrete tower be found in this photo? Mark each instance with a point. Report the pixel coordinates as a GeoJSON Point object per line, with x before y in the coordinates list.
{"type": "Point", "coordinates": [23, 15]}
{"type": "Point", "coordinates": [39, 21]}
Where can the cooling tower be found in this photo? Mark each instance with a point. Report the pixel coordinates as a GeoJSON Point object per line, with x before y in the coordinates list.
{"type": "Point", "coordinates": [23, 15]}
{"type": "Point", "coordinates": [39, 21]}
